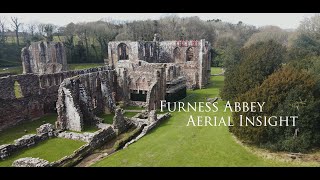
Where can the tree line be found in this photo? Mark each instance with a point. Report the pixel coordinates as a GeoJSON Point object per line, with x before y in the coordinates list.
{"type": "Point", "coordinates": [283, 71]}
{"type": "Point", "coordinates": [87, 42]}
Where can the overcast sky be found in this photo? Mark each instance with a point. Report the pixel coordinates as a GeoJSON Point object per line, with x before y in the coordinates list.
{"type": "Point", "coordinates": [283, 20]}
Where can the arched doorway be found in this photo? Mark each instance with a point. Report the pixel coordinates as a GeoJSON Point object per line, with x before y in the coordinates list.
{"type": "Point", "coordinates": [190, 54]}
{"type": "Point", "coordinates": [122, 51]}
{"type": "Point", "coordinates": [42, 52]}
{"type": "Point", "coordinates": [176, 54]}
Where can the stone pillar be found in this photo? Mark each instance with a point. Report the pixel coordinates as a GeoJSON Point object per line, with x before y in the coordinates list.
{"type": "Point", "coordinates": [119, 121]}
{"type": "Point", "coordinates": [152, 116]}
{"type": "Point", "coordinates": [202, 67]}
{"type": "Point", "coordinates": [25, 57]}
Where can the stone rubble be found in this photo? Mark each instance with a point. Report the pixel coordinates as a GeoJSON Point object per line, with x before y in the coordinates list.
{"type": "Point", "coordinates": [30, 162]}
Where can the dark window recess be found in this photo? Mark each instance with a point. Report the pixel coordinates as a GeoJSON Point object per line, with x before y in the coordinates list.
{"type": "Point", "coordinates": [180, 94]}
{"type": "Point", "coordinates": [138, 97]}
{"type": "Point", "coordinates": [122, 51]}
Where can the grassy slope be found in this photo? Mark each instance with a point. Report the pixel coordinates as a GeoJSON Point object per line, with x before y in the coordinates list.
{"type": "Point", "coordinates": [51, 150]}
{"type": "Point", "coordinates": [175, 144]}
{"type": "Point", "coordinates": [8, 135]}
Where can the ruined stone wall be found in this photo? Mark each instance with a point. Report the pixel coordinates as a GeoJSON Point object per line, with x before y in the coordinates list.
{"type": "Point", "coordinates": [156, 80]}
{"type": "Point", "coordinates": [192, 57]}
{"type": "Point", "coordinates": [20, 99]}
{"type": "Point", "coordinates": [113, 51]}
{"type": "Point", "coordinates": [157, 90]}
{"type": "Point", "coordinates": [121, 91]}
{"type": "Point", "coordinates": [196, 68]}
{"type": "Point", "coordinates": [44, 58]}
{"type": "Point", "coordinates": [121, 123]}
{"type": "Point", "coordinates": [81, 97]}
{"type": "Point", "coordinates": [149, 51]}
{"type": "Point", "coordinates": [141, 77]}
{"type": "Point", "coordinates": [138, 78]}
{"type": "Point", "coordinates": [206, 62]}
{"type": "Point", "coordinates": [173, 71]}
{"type": "Point", "coordinates": [30, 96]}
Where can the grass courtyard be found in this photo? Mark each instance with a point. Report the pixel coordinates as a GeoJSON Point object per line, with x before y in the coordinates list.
{"type": "Point", "coordinates": [84, 66]}
{"type": "Point", "coordinates": [9, 135]}
{"type": "Point", "coordinates": [50, 150]}
{"type": "Point", "coordinates": [173, 143]}
{"type": "Point", "coordinates": [108, 118]}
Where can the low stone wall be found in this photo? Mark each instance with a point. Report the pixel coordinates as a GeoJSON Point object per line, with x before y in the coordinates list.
{"type": "Point", "coordinates": [86, 137]}
{"type": "Point", "coordinates": [6, 74]}
{"type": "Point", "coordinates": [137, 103]}
{"type": "Point", "coordinates": [160, 118]}
{"type": "Point", "coordinates": [44, 132]}
{"type": "Point", "coordinates": [96, 140]}
{"type": "Point", "coordinates": [148, 124]}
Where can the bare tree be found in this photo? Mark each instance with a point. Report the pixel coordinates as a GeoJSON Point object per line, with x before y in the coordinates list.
{"type": "Point", "coordinates": [32, 28]}
{"type": "Point", "coordinates": [2, 31]}
{"type": "Point", "coordinates": [49, 29]}
{"type": "Point", "coordinates": [41, 29]}
{"type": "Point", "coordinates": [16, 25]}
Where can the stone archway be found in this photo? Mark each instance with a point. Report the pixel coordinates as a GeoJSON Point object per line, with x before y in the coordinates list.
{"type": "Point", "coordinates": [190, 54]}
{"type": "Point", "coordinates": [177, 55]}
{"type": "Point", "coordinates": [123, 52]}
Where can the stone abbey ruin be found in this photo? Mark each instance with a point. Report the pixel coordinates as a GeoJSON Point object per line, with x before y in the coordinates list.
{"type": "Point", "coordinates": [136, 74]}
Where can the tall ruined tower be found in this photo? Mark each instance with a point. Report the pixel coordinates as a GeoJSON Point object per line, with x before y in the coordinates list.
{"type": "Point", "coordinates": [44, 58]}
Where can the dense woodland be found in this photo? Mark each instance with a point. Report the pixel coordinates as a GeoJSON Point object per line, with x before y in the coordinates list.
{"type": "Point", "coordinates": [283, 71]}
{"type": "Point", "coordinates": [280, 67]}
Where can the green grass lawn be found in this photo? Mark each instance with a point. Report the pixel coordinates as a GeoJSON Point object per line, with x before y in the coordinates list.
{"type": "Point", "coordinates": [130, 114]}
{"type": "Point", "coordinates": [134, 108]}
{"type": "Point", "coordinates": [108, 118]}
{"type": "Point", "coordinates": [50, 150]}
{"type": "Point", "coordinates": [14, 70]}
{"type": "Point", "coordinates": [84, 66]}
{"type": "Point", "coordinates": [9, 135]}
{"type": "Point", "coordinates": [90, 128]}
{"type": "Point", "coordinates": [175, 144]}
{"type": "Point", "coordinates": [216, 70]}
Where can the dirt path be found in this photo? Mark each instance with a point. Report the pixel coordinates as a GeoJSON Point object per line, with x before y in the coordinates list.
{"type": "Point", "coordinates": [100, 153]}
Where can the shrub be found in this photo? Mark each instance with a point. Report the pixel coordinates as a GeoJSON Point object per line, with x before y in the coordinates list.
{"type": "Point", "coordinates": [287, 92]}
{"type": "Point", "coordinates": [255, 64]}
